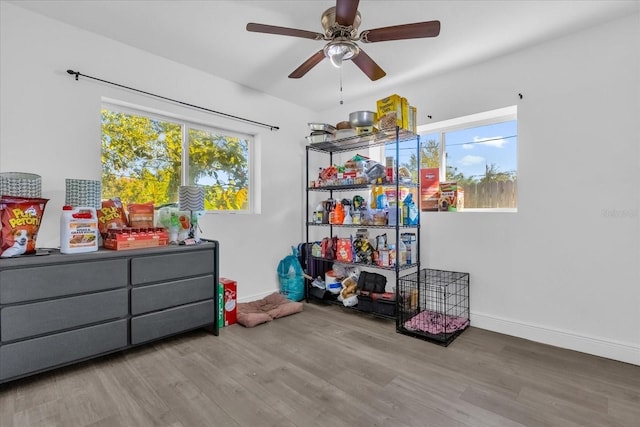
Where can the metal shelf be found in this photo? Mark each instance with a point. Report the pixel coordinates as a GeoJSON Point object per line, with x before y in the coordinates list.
{"type": "Point", "coordinates": [356, 187]}
{"type": "Point", "coordinates": [391, 138]}
{"type": "Point", "coordinates": [362, 264]}
{"type": "Point", "coordinates": [393, 227]}
{"type": "Point", "coordinates": [382, 137]}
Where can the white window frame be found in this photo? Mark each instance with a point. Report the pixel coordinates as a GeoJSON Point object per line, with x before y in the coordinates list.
{"type": "Point", "coordinates": [185, 123]}
{"type": "Point", "coordinates": [473, 120]}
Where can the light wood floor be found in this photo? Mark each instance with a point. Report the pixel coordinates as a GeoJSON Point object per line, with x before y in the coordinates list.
{"type": "Point", "coordinates": [330, 367]}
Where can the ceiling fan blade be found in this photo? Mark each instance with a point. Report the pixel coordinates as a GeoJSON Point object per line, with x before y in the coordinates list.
{"type": "Point", "coordinates": [368, 66]}
{"type": "Point", "coordinates": [283, 31]}
{"type": "Point", "coordinates": [401, 32]}
{"type": "Point", "coordinates": [307, 65]}
{"type": "Point", "coordinates": [346, 11]}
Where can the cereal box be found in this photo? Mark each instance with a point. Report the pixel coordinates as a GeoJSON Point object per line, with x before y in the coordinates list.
{"type": "Point", "coordinates": [390, 111]}
{"type": "Point", "coordinates": [404, 103]}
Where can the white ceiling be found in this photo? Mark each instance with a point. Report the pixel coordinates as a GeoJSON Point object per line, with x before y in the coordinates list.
{"type": "Point", "coordinates": [211, 36]}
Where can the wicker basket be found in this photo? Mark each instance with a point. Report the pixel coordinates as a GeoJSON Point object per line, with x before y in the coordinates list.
{"type": "Point", "coordinates": [20, 184]}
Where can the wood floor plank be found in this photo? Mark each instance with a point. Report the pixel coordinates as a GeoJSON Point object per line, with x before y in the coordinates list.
{"type": "Point", "coordinates": [328, 366]}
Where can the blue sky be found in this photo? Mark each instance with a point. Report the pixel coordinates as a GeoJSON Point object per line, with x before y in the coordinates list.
{"type": "Point", "coordinates": [471, 150]}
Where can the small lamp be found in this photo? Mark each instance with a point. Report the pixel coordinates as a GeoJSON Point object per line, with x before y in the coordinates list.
{"type": "Point", "coordinates": [340, 50]}
{"type": "Point", "coordinates": [191, 198]}
{"type": "Point", "coordinates": [83, 193]}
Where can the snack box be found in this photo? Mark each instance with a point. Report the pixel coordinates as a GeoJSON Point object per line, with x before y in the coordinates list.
{"type": "Point", "coordinates": [230, 301]}
{"type": "Point", "coordinates": [429, 189]}
{"type": "Point", "coordinates": [451, 197]}
{"type": "Point", "coordinates": [136, 238]}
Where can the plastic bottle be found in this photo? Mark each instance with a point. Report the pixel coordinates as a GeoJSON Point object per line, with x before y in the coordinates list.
{"type": "Point", "coordinates": [78, 230]}
{"type": "Point", "coordinates": [348, 219]}
{"type": "Point", "coordinates": [338, 214]}
{"type": "Point", "coordinates": [318, 214]}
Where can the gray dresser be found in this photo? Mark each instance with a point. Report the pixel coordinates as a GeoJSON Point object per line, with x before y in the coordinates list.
{"type": "Point", "coordinates": [59, 309]}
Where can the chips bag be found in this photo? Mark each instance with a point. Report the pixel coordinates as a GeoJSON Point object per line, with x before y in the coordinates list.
{"type": "Point", "coordinates": [111, 215]}
{"type": "Point", "coordinates": [20, 218]}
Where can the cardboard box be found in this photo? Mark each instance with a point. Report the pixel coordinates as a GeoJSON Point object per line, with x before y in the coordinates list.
{"type": "Point", "coordinates": [132, 238]}
{"type": "Point", "coordinates": [451, 197]}
{"type": "Point", "coordinates": [230, 301]}
{"type": "Point", "coordinates": [429, 189]}
{"type": "Point", "coordinates": [410, 241]}
{"type": "Point", "coordinates": [405, 113]}
{"type": "Point", "coordinates": [413, 119]}
{"type": "Point", "coordinates": [389, 111]}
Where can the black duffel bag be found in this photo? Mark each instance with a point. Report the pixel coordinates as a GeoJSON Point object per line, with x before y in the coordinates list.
{"type": "Point", "coordinates": [372, 282]}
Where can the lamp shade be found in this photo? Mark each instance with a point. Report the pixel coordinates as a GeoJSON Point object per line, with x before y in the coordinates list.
{"type": "Point", "coordinates": [191, 198]}
{"type": "Point", "coordinates": [20, 184]}
{"type": "Point", "coordinates": [83, 193]}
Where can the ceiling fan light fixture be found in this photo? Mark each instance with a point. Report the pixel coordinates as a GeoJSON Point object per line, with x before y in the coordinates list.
{"type": "Point", "coordinates": [340, 50]}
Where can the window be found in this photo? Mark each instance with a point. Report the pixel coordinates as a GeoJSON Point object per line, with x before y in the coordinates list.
{"type": "Point", "coordinates": [480, 155]}
{"type": "Point", "coordinates": [146, 157]}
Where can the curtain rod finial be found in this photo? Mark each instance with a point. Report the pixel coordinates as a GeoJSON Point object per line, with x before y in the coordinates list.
{"type": "Point", "coordinates": [76, 73]}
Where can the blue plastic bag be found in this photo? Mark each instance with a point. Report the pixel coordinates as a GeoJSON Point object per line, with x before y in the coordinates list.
{"type": "Point", "coordinates": [291, 277]}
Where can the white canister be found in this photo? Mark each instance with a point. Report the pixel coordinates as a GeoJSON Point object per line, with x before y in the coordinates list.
{"type": "Point", "coordinates": [331, 283]}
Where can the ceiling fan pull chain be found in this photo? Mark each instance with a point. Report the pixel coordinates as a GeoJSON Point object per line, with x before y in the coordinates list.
{"type": "Point", "coordinates": [341, 100]}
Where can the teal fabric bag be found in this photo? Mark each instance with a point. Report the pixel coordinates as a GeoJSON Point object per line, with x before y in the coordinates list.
{"type": "Point", "coordinates": [291, 277]}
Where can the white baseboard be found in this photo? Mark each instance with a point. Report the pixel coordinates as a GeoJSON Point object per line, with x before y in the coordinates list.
{"type": "Point", "coordinates": [623, 352]}
{"type": "Point", "coordinates": [257, 296]}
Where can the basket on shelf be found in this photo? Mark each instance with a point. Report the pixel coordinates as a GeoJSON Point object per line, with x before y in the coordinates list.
{"type": "Point", "coordinates": [20, 184]}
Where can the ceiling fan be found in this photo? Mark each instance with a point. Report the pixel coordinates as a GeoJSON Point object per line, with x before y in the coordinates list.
{"type": "Point", "coordinates": [341, 25]}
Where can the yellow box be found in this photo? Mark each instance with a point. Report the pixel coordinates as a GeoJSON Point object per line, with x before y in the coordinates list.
{"type": "Point", "coordinates": [405, 113]}
{"type": "Point", "coordinates": [389, 111]}
{"type": "Point", "coordinates": [411, 122]}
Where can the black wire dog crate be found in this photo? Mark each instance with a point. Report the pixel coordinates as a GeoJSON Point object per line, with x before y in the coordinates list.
{"type": "Point", "coordinates": [433, 305]}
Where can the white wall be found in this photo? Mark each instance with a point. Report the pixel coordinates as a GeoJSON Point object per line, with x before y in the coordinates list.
{"type": "Point", "coordinates": [50, 125]}
{"type": "Point", "coordinates": [564, 269]}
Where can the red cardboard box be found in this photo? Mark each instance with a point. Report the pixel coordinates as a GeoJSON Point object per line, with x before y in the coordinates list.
{"type": "Point", "coordinates": [429, 189]}
{"type": "Point", "coordinates": [230, 301]}
{"type": "Point", "coordinates": [136, 238]}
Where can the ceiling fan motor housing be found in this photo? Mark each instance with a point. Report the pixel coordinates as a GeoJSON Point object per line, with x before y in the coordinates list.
{"type": "Point", "coordinates": [334, 30]}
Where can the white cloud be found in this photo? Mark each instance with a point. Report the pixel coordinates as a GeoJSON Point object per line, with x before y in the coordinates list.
{"type": "Point", "coordinates": [471, 160]}
{"type": "Point", "coordinates": [492, 141]}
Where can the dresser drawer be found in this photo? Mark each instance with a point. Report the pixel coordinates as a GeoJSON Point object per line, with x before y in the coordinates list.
{"type": "Point", "coordinates": [171, 321]}
{"type": "Point", "coordinates": [26, 320]}
{"type": "Point", "coordinates": [157, 268]}
{"type": "Point", "coordinates": [164, 295]}
{"type": "Point", "coordinates": [45, 352]}
{"type": "Point", "coordinates": [33, 283]}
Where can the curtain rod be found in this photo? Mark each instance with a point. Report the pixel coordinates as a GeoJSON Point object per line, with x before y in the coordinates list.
{"type": "Point", "coordinates": [78, 74]}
